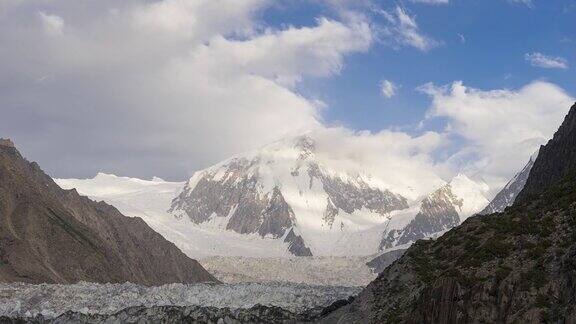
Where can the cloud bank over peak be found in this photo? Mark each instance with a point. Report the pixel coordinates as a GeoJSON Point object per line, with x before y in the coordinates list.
{"type": "Point", "coordinates": [500, 129]}
{"type": "Point", "coordinates": [165, 86]}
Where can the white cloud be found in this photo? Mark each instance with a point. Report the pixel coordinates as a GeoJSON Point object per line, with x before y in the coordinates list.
{"type": "Point", "coordinates": [432, 2]}
{"type": "Point", "coordinates": [462, 38]}
{"type": "Point", "coordinates": [388, 88]}
{"type": "Point", "coordinates": [500, 128]}
{"type": "Point", "coordinates": [545, 61]}
{"type": "Point", "coordinates": [527, 3]}
{"type": "Point", "coordinates": [288, 55]}
{"type": "Point", "coordinates": [159, 88]}
{"type": "Point", "coordinates": [196, 20]}
{"type": "Point", "coordinates": [400, 161]}
{"type": "Point", "coordinates": [403, 30]}
{"type": "Point", "coordinates": [53, 25]}
{"type": "Point", "coordinates": [163, 88]}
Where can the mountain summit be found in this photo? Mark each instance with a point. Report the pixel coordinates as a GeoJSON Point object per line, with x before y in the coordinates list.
{"type": "Point", "coordinates": [287, 192]}
{"type": "Point", "coordinates": [283, 192]}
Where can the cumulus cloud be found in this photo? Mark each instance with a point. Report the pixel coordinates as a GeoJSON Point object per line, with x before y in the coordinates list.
{"type": "Point", "coordinates": [388, 89]}
{"type": "Point", "coordinates": [545, 61]}
{"type": "Point", "coordinates": [308, 51]}
{"type": "Point", "coordinates": [144, 88]}
{"type": "Point", "coordinates": [500, 129]}
{"type": "Point", "coordinates": [403, 30]}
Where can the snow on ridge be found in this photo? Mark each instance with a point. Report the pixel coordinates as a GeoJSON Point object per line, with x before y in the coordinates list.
{"type": "Point", "coordinates": [472, 193]}
{"type": "Point", "coordinates": [105, 184]}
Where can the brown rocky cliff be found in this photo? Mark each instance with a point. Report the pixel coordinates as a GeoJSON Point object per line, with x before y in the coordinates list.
{"type": "Point", "coordinates": [52, 235]}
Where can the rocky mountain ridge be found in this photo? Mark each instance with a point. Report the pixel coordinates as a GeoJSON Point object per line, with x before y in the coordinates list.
{"type": "Point", "coordinates": [506, 197]}
{"type": "Point", "coordinates": [555, 160]}
{"type": "Point", "coordinates": [438, 213]}
{"type": "Point", "coordinates": [52, 235]}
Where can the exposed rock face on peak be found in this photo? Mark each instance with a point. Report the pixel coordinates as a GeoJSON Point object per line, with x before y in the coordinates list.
{"type": "Point", "coordinates": [296, 244]}
{"type": "Point", "coordinates": [350, 196]}
{"type": "Point", "coordinates": [438, 213]}
{"type": "Point", "coordinates": [52, 235]}
{"type": "Point", "coordinates": [511, 267]}
{"type": "Point", "coordinates": [556, 160]}
{"type": "Point", "coordinates": [236, 194]}
{"type": "Point", "coordinates": [508, 194]}
{"type": "Point", "coordinates": [442, 210]}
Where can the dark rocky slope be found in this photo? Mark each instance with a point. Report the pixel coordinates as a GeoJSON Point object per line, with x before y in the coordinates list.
{"type": "Point", "coordinates": [556, 160]}
{"type": "Point", "coordinates": [381, 262]}
{"type": "Point", "coordinates": [508, 194]}
{"type": "Point", "coordinates": [57, 236]}
{"type": "Point", "coordinates": [512, 267]}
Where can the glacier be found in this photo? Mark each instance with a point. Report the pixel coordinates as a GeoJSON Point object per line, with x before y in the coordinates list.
{"type": "Point", "coordinates": [48, 300]}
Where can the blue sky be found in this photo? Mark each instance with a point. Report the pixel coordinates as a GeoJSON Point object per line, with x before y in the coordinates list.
{"type": "Point", "coordinates": [497, 35]}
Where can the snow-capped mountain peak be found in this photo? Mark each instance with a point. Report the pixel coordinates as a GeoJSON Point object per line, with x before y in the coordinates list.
{"type": "Point", "coordinates": [289, 198]}
{"type": "Point", "coordinates": [441, 210]}
{"type": "Point", "coordinates": [283, 191]}
{"type": "Point", "coordinates": [472, 193]}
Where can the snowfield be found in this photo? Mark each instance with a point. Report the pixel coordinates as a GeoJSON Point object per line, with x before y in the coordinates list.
{"type": "Point", "coordinates": [27, 300]}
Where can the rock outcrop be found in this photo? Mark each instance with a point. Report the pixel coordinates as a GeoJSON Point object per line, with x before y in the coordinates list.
{"type": "Point", "coordinates": [51, 235]}
{"type": "Point", "coordinates": [507, 196]}
{"type": "Point", "coordinates": [555, 161]}
{"type": "Point", "coordinates": [438, 212]}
